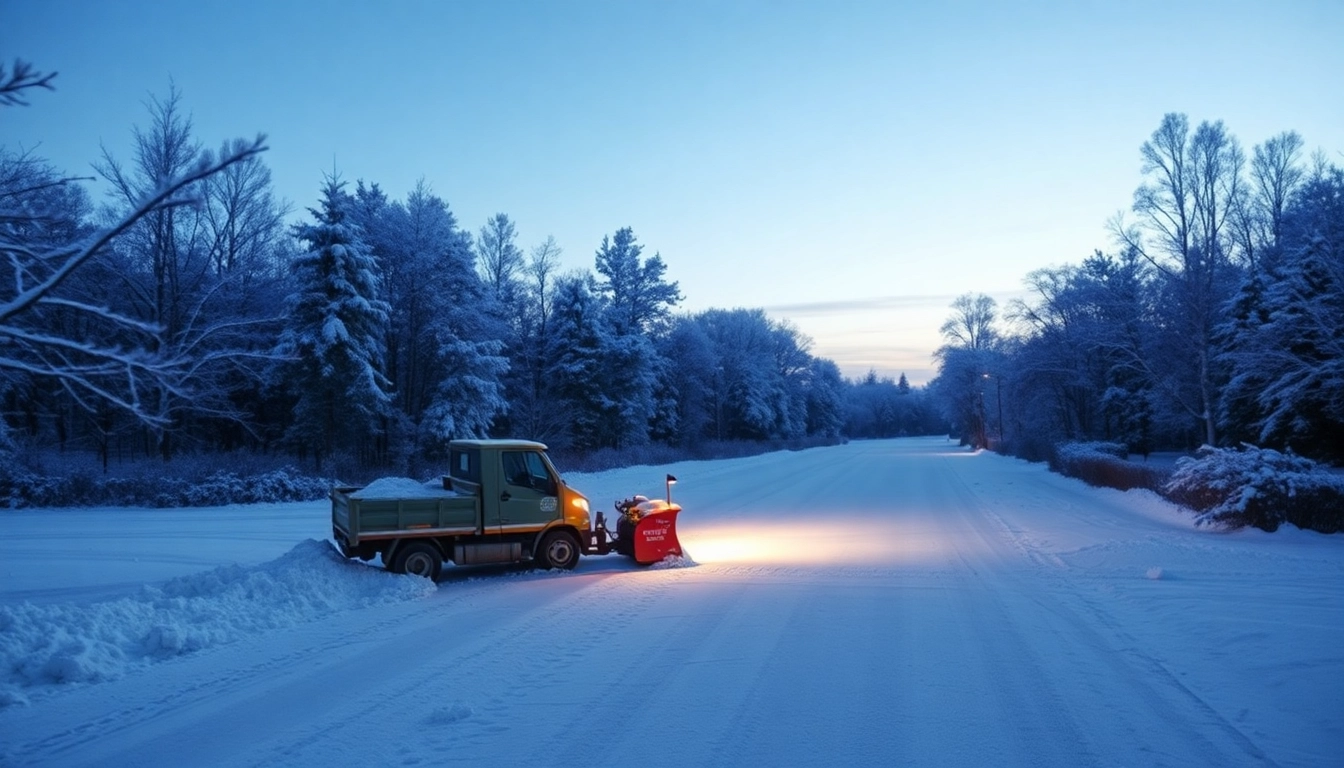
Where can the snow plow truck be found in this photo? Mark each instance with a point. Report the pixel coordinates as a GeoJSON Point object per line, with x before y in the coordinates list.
{"type": "Point", "coordinates": [502, 502]}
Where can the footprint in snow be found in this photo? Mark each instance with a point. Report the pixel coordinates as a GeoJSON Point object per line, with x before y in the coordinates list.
{"type": "Point", "coordinates": [454, 713]}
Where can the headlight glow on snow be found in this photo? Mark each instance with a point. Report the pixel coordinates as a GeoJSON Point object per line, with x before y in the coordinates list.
{"type": "Point", "coordinates": [838, 542]}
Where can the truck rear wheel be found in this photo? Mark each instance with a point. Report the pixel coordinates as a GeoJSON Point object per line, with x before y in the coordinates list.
{"type": "Point", "coordinates": [418, 558]}
{"type": "Point", "coordinates": [558, 549]}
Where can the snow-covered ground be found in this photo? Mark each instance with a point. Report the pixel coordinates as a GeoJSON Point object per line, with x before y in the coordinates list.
{"type": "Point", "coordinates": [879, 603]}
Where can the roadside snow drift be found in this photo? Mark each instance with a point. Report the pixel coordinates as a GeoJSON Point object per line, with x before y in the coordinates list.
{"type": "Point", "coordinates": [45, 645]}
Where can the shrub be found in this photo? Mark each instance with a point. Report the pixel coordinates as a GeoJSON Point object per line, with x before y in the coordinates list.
{"type": "Point", "coordinates": [1105, 465]}
{"type": "Point", "coordinates": [1258, 487]}
{"type": "Point", "coordinates": [22, 487]}
{"type": "Point", "coordinates": [1029, 447]}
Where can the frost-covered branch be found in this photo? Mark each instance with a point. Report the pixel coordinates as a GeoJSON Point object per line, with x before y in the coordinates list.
{"type": "Point", "coordinates": [21, 78]}
{"type": "Point", "coordinates": [104, 356]}
{"type": "Point", "coordinates": [70, 259]}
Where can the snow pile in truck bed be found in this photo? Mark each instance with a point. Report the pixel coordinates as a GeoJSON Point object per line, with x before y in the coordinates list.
{"type": "Point", "coordinates": [53, 644]}
{"type": "Point", "coordinates": [401, 488]}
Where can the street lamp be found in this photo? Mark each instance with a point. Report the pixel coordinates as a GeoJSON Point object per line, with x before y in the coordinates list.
{"type": "Point", "coordinates": [984, 438]}
{"type": "Point", "coordinates": [998, 396]}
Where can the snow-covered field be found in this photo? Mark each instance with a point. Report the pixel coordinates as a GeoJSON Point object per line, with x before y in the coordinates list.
{"type": "Point", "coordinates": [898, 602]}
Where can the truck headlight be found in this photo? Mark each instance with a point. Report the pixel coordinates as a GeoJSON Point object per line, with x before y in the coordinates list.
{"type": "Point", "coordinates": [580, 504]}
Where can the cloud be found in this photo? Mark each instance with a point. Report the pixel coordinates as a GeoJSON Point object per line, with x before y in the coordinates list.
{"type": "Point", "coordinates": [880, 303]}
{"type": "Point", "coordinates": [841, 352]}
{"type": "Point", "coordinates": [860, 305]}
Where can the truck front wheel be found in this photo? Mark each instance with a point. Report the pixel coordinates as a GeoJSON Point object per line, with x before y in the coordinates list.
{"type": "Point", "coordinates": [558, 549]}
{"type": "Point", "coordinates": [418, 558]}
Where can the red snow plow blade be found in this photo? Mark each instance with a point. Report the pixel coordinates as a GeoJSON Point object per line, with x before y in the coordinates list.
{"type": "Point", "coordinates": [656, 533]}
{"type": "Point", "coordinates": [646, 531]}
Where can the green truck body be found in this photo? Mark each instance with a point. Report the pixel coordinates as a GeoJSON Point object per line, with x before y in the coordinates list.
{"type": "Point", "coordinates": [501, 502]}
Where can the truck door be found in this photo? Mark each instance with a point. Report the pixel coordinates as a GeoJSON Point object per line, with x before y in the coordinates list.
{"type": "Point", "coordinates": [530, 493]}
{"type": "Point", "coordinates": [467, 464]}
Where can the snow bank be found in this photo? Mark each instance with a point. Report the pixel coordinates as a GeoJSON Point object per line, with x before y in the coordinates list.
{"type": "Point", "coordinates": [43, 645]}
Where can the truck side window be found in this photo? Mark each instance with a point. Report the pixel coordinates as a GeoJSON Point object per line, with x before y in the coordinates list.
{"type": "Point", "coordinates": [541, 478]}
{"type": "Point", "coordinates": [515, 469]}
{"type": "Point", "coordinates": [463, 466]}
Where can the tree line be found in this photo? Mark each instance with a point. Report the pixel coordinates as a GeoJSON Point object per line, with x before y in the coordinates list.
{"type": "Point", "coordinates": [183, 314]}
{"type": "Point", "coordinates": [1218, 319]}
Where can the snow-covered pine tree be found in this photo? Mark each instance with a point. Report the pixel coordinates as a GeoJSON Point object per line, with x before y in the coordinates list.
{"type": "Point", "coordinates": [1302, 349]}
{"type": "Point", "coordinates": [638, 295]}
{"type": "Point", "coordinates": [469, 362]}
{"type": "Point", "coordinates": [465, 330]}
{"type": "Point", "coordinates": [602, 381]}
{"type": "Point", "coordinates": [637, 299]}
{"type": "Point", "coordinates": [334, 337]}
{"type": "Point", "coordinates": [444, 338]}
{"type": "Point", "coordinates": [825, 404]}
{"type": "Point", "coordinates": [692, 372]}
{"type": "Point", "coordinates": [576, 362]}
{"type": "Point", "coordinates": [1240, 338]}
{"type": "Point", "coordinates": [747, 387]}
{"type": "Point", "coordinates": [469, 396]}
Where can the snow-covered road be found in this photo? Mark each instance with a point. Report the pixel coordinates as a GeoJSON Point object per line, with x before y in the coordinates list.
{"type": "Point", "coordinates": [880, 603]}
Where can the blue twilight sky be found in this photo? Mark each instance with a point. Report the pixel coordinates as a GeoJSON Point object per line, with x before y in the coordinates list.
{"type": "Point", "coordinates": [849, 166]}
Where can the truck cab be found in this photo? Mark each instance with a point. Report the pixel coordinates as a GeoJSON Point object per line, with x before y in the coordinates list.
{"type": "Point", "coordinates": [519, 488]}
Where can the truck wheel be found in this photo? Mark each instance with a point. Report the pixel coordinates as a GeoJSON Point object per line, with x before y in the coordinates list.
{"type": "Point", "coordinates": [558, 549]}
{"type": "Point", "coordinates": [418, 558]}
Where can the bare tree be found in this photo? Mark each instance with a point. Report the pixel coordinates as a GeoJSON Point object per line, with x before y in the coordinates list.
{"type": "Point", "coordinates": [127, 370]}
{"type": "Point", "coordinates": [1277, 173]}
{"type": "Point", "coordinates": [190, 271]}
{"type": "Point", "coordinates": [542, 267]}
{"type": "Point", "coordinates": [971, 325]}
{"type": "Point", "coordinates": [56, 328]}
{"type": "Point", "coordinates": [1192, 188]}
{"type": "Point", "coordinates": [531, 409]}
{"type": "Point", "coordinates": [168, 242]}
{"type": "Point", "coordinates": [964, 360]}
{"type": "Point", "coordinates": [500, 258]}
{"type": "Point", "coordinates": [242, 219]}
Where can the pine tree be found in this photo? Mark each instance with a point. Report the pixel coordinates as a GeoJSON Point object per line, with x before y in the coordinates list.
{"type": "Point", "coordinates": [825, 404]}
{"type": "Point", "coordinates": [1285, 335]}
{"type": "Point", "coordinates": [469, 396]}
{"type": "Point", "coordinates": [603, 381]}
{"type": "Point", "coordinates": [466, 329]}
{"type": "Point", "coordinates": [334, 340]}
{"type": "Point", "coordinates": [638, 295]}
{"type": "Point", "coordinates": [577, 363]}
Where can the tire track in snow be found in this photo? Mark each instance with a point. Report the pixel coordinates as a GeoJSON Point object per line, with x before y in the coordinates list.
{"type": "Point", "coordinates": [1020, 602]}
{"type": "Point", "coordinates": [478, 696]}
{"type": "Point", "coordinates": [328, 657]}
